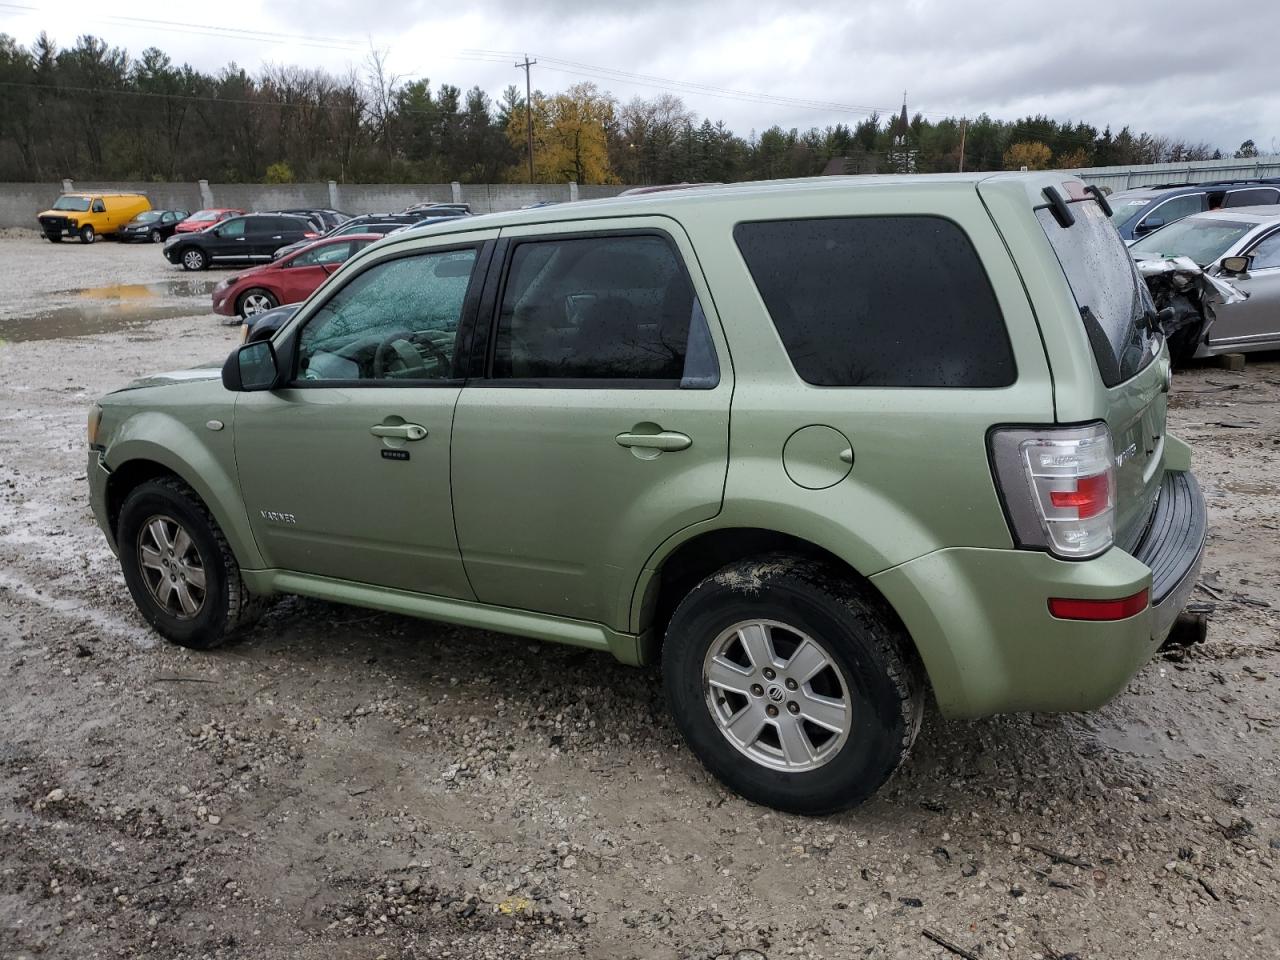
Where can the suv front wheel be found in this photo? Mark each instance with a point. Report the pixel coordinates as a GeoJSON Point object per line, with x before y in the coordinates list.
{"type": "Point", "coordinates": [193, 258]}
{"type": "Point", "coordinates": [179, 567]}
{"type": "Point", "coordinates": [792, 687]}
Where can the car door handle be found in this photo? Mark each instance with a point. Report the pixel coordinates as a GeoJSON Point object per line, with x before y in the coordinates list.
{"type": "Point", "coordinates": [668, 441]}
{"type": "Point", "coordinates": [400, 431]}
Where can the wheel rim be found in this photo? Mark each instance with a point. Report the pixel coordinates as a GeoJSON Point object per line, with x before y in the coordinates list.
{"type": "Point", "coordinates": [155, 236]}
{"type": "Point", "coordinates": [171, 567]}
{"type": "Point", "coordinates": [192, 259]}
{"type": "Point", "coordinates": [256, 303]}
{"type": "Point", "coordinates": [776, 695]}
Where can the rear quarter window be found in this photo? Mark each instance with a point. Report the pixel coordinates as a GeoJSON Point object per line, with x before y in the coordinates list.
{"type": "Point", "coordinates": [879, 301]}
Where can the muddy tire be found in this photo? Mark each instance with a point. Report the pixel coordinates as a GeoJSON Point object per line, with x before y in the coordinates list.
{"type": "Point", "coordinates": [179, 567]}
{"type": "Point", "coordinates": [87, 234]}
{"type": "Point", "coordinates": [795, 688]}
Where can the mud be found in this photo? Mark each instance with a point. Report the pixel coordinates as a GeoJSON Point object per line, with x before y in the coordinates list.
{"type": "Point", "coordinates": [347, 784]}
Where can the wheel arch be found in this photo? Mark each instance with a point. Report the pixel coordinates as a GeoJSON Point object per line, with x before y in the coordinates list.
{"type": "Point", "coordinates": [679, 566]}
{"type": "Point", "coordinates": [140, 461]}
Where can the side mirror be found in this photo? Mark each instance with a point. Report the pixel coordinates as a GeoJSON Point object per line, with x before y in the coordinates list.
{"type": "Point", "coordinates": [1146, 226]}
{"type": "Point", "coordinates": [252, 367]}
{"type": "Point", "coordinates": [1236, 266]}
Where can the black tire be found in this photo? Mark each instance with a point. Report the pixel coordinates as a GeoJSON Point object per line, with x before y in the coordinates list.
{"type": "Point", "coordinates": [87, 234]}
{"type": "Point", "coordinates": [193, 258]}
{"type": "Point", "coordinates": [242, 302]}
{"type": "Point", "coordinates": [863, 641]}
{"type": "Point", "coordinates": [227, 608]}
{"type": "Point", "coordinates": [155, 236]}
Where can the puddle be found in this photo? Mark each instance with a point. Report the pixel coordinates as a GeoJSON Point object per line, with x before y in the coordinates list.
{"type": "Point", "coordinates": [1261, 488]}
{"type": "Point", "coordinates": [111, 309]}
{"type": "Point", "coordinates": [144, 291]}
{"type": "Point", "coordinates": [91, 318]}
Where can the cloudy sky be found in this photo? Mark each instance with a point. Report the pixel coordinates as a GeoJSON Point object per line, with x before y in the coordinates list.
{"type": "Point", "coordinates": [1174, 68]}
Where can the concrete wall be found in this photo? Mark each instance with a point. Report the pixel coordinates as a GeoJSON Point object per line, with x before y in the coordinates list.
{"type": "Point", "coordinates": [1145, 174]}
{"type": "Point", "coordinates": [20, 202]}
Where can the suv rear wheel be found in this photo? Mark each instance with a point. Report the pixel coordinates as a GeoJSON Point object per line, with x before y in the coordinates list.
{"type": "Point", "coordinates": [179, 567]}
{"type": "Point", "coordinates": [792, 687]}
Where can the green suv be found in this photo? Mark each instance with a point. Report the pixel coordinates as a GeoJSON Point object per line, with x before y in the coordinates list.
{"type": "Point", "coordinates": [817, 447]}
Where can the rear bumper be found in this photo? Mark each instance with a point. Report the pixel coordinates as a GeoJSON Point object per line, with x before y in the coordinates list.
{"type": "Point", "coordinates": [981, 622]}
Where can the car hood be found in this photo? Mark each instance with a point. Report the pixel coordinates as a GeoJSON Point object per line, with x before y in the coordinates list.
{"type": "Point", "coordinates": [210, 371]}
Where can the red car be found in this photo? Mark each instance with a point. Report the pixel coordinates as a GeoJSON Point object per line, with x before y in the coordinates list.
{"type": "Point", "coordinates": [204, 219]}
{"type": "Point", "coordinates": [288, 279]}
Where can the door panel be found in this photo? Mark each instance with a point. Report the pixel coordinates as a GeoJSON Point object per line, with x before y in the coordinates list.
{"type": "Point", "coordinates": [324, 497]}
{"type": "Point", "coordinates": [345, 473]}
{"type": "Point", "coordinates": [557, 510]}
{"type": "Point", "coordinates": [1256, 318]}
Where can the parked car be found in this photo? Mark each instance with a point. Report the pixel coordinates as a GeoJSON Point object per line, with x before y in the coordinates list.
{"type": "Point", "coordinates": [1138, 212]}
{"type": "Point", "coordinates": [935, 480]}
{"type": "Point", "coordinates": [323, 218]}
{"type": "Point", "coordinates": [1242, 247]}
{"type": "Point", "coordinates": [204, 219]}
{"type": "Point", "coordinates": [252, 238]}
{"type": "Point", "coordinates": [90, 215]}
{"type": "Point", "coordinates": [354, 225]}
{"type": "Point", "coordinates": [288, 279]}
{"type": "Point", "coordinates": [153, 226]}
{"type": "Point", "coordinates": [263, 326]}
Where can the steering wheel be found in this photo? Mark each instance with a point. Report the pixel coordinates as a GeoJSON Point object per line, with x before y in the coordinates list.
{"type": "Point", "coordinates": [405, 348]}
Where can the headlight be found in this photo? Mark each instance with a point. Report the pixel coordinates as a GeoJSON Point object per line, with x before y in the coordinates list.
{"type": "Point", "coordinates": [95, 419]}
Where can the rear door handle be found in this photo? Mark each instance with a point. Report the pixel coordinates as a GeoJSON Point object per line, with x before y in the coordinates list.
{"type": "Point", "coordinates": [668, 440]}
{"type": "Point", "coordinates": [400, 431]}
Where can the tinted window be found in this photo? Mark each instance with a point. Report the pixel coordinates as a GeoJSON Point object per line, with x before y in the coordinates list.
{"type": "Point", "coordinates": [611, 308]}
{"type": "Point", "coordinates": [396, 320]}
{"type": "Point", "coordinates": [879, 301]}
{"type": "Point", "coordinates": [1266, 254]}
{"type": "Point", "coordinates": [1177, 208]}
{"type": "Point", "coordinates": [1112, 300]}
{"type": "Point", "coordinates": [1249, 198]}
{"type": "Point", "coordinates": [232, 228]}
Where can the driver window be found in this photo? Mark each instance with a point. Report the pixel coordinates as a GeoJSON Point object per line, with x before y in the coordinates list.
{"type": "Point", "coordinates": [398, 320]}
{"type": "Point", "coordinates": [231, 228]}
{"type": "Point", "coordinates": [316, 256]}
{"type": "Point", "coordinates": [99, 207]}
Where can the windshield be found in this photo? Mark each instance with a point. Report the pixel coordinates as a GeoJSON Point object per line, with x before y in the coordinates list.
{"type": "Point", "coordinates": [1113, 301]}
{"type": "Point", "coordinates": [202, 216]}
{"type": "Point", "coordinates": [1204, 240]}
{"type": "Point", "coordinates": [1122, 211]}
{"type": "Point", "coordinates": [72, 203]}
{"type": "Point", "coordinates": [147, 216]}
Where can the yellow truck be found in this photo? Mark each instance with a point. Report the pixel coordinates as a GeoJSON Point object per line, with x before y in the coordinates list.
{"type": "Point", "coordinates": [90, 215]}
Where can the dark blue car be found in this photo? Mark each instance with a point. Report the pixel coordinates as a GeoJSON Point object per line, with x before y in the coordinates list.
{"type": "Point", "coordinates": [1137, 212]}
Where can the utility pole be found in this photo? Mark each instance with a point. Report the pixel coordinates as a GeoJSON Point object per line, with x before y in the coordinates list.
{"type": "Point", "coordinates": [528, 109]}
{"type": "Point", "coordinates": [963, 124]}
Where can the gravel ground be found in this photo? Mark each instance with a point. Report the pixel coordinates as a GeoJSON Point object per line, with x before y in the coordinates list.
{"type": "Point", "coordinates": [347, 784]}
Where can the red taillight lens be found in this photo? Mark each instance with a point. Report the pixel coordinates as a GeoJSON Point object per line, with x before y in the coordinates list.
{"type": "Point", "coordinates": [1065, 608]}
{"type": "Point", "coordinates": [309, 235]}
{"type": "Point", "coordinates": [1091, 496]}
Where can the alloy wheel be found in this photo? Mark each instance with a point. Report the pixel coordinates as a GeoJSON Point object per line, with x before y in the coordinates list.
{"type": "Point", "coordinates": [776, 695]}
{"type": "Point", "coordinates": [171, 567]}
{"type": "Point", "coordinates": [255, 303]}
{"type": "Point", "coordinates": [193, 259]}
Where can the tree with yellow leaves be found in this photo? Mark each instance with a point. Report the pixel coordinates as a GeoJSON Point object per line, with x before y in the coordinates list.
{"type": "Point", "coordinates": [570, 136]}
{"type": "Point", "coordinates": [1033, 155]}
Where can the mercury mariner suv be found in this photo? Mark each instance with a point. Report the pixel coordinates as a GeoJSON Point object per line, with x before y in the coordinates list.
{"type": "Point", "coordinates": [821, 449]}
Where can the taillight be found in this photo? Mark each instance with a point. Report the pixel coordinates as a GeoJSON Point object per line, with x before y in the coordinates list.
{"type": "Point", "coordinates": [1068, 608]}
{"type": "Point", "coordinates": [1058, 487]}
{"type": "Point", "coordinates": [310, 235]}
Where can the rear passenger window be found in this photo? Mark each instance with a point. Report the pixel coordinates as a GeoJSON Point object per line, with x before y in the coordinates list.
{"type": "Point", "coordinates": [1258, 196]}
{"type": "Point", "coordinates": [611, 308]}
{"type": "Point", "coordinates": [879, 301]}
